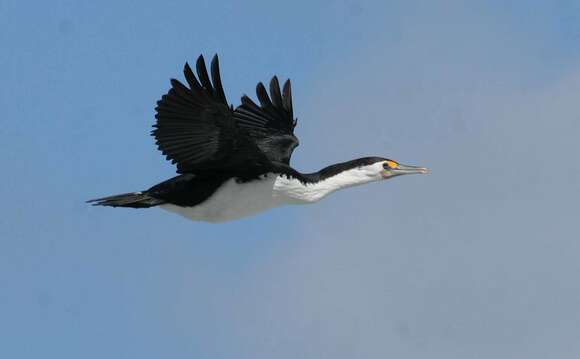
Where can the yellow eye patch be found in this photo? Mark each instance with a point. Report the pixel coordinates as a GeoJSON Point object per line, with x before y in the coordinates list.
{"type": "Point", "coordinates": [392, 164]}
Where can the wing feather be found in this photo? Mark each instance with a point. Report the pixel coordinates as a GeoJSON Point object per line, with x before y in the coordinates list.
{"type": "Point", "coordinates": [202, 74]}
{"type": "Point", "coordinates": [275, 93]}
{"type": "Point", "coordinates": [287, 98]}
{"type": "Point", "coordinates": [195, 127]}
{"type": "Point", "coordinates": [263, 96]}
{"type": "Point", "coordinates": [190, 78]}
{"type": "Point", "coordinates": [216, 79]}
{"type": "Point", "coordinates": [271, 124]}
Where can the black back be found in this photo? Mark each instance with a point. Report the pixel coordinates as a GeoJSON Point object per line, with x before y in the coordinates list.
{"type": "Point", "coordinates": [186, 190]}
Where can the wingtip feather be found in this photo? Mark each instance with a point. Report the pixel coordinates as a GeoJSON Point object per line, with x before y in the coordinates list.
{"type": "Point", "coordinates": [263, 95]}
{"type": "Point", "coordinates": [216, 79]}
{"type": "Point", "coordinates": [190, 77]}
{"type": "Point", "coordinates": [275, 92]}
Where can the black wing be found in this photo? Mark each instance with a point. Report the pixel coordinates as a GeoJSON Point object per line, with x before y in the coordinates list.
{"type": "Point", "coordinates": [270, 125]}
{"type": "Point", "coordinates": [198, 131]}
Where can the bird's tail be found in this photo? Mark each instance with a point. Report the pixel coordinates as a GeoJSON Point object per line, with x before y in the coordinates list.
{"type": "Point", "coordinates": [132, 200]}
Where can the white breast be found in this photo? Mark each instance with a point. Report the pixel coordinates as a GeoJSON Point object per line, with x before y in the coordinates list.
{"type": "Point", "coordinates": [235, 200]}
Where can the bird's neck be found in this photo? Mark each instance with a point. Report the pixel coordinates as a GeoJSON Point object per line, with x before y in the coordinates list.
{"type": "Point", "coordinates": [319, 184]}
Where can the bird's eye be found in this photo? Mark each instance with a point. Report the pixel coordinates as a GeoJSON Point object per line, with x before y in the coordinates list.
{"type": "Point", "coordinates": [389, 165]}
{"type": "Point", "coordinates": [386, 166]}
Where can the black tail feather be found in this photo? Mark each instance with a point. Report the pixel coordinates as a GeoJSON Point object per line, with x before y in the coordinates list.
{"type": "Point", "coordinates": [132, 200]}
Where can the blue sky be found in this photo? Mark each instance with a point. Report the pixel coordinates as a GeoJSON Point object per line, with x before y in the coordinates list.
{"type": "Point", "coordinates": [479, 259]}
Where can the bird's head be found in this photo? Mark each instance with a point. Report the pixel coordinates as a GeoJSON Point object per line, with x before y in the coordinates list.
{"type": "Point", "coordinates": [389, 169]}
{"type": "Point", "coordinates": [369, 169]}
{"type": "Point", "coordinates": [378, 168]}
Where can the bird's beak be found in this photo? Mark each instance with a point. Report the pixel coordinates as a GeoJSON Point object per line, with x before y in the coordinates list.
{"type": "Point", "coordinates": [405, 170]}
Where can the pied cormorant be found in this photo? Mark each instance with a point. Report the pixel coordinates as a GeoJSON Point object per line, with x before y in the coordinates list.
{"type": "Point", "coordinates": [234, 163]}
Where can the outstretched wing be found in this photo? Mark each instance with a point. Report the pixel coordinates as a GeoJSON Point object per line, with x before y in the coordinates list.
{"type": "Point", "coordinates": [195, 127]}
{"type": "Point", "coordinates": [270, 125]}
{"type": "Point", "coordinates": [198, 131]}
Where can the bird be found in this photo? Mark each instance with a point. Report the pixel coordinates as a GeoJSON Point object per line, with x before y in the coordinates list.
{"type": "Point", "coordinates": [233, 163]}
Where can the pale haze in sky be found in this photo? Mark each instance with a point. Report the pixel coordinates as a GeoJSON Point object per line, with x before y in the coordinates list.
{"type": "Point", "coordinates": [479, 259]}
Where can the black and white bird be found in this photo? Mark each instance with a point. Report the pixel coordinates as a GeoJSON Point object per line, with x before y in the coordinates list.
{"type": "Point", "coordinates": [234, 163]}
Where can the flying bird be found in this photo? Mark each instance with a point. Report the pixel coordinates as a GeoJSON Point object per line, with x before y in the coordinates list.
{"type": "Point", "coordinates": [234, 163]}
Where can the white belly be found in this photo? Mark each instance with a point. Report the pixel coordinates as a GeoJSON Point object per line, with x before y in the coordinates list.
{"type": "Point", "coordinates": [238, 200]}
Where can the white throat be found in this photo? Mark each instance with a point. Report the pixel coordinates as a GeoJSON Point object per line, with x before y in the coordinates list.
{"type": "Point", "coordinates": [296, 192]}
